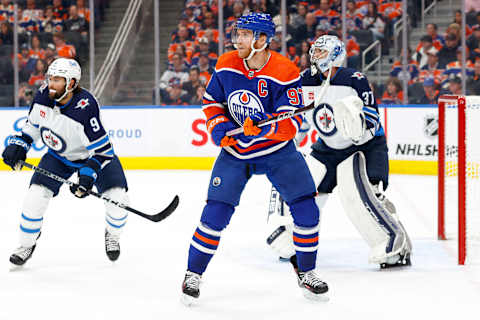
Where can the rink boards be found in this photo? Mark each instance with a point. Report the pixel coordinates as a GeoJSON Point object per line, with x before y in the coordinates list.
{"type": "Point", "coordinates": [175, 137]}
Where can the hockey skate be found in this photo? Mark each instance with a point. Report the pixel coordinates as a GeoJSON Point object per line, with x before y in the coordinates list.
{"type": "Point", "coordinates": [112, 245]}
{"type": "Point", "coordinates": [312, 287]}
{"type": "Point", "coordinates": [399, 260]}
{"type": "Point", "coordinates": [22, 254]}
{"type": "Point", "coordinates": [191, 288]}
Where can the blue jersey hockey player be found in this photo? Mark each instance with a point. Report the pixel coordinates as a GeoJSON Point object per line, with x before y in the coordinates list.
{"type": "Point", "coordinates": [250, 84]}
{"type": "Point", "coordinates": [351, 153]}
{"type": "Point", "coordinates": [66, 118]}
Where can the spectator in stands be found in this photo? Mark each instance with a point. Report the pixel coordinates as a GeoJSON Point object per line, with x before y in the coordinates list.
{"type": "Point", "coordinates": [394, 92]}
{"type": "Point", "coordinates": [206, 68]}
{"type": "Point", "coordinates": [50, 23]}
{"type": "Point", "coordinates": [197, 98]}
{"type": "Point", "coordinates": [292, 55]}
{"type": "Point", "coordinates": [307, 30]}
{"type": "Point", "coordinates": [353, 18]}
{"type": "Point", "coordinates": [374, 22]}
{"type": "Point", "coordinates": [174, 93]}
{"type": "Point", "coordinates": [325, 13]}
{"type": "Point", "coordinates": [454, 68]}
{"type": "Point", "coordinates": [6, 10]}
{"type": "Point", "coordinates": [25, 94]}
{"type": "Point", "coordinates": [36, 51]}
{"type": "Point", "coordinates": [321, 29]}
{"type": "Point", "coordinates": [458, 20]}
{"type": "Point", "coordinates": [182, 35]}
{"type": "Point", "coordinates": [275, 44]}
{"type": "Point", "coordinates": [83, 11]}
{"type": "Point", "coordinates": [193, 82]}
{"type": "Point", "coordinates": [412, 67]}
{"type": "Point", "coordinates": [298, 18]}
{"type": "Point", "coordinates": [50, 53]}
{"type": "Point", "coordinates": [75, 23]}
{"type": "Point", "coordinates": [304, 62]}
{"type": "Point", "coordinates": [473, 82]}
{"type": "Point", "coordinates": [23, 56]}
{"type": "Point", "coordinates": [289, 38]}
{"type": "Point", "coordinates": [448, 53]}
{"type": "Point", "coordinates": [59, 11]}
{"type": "Point", "coordinates": [431, 70]}
{"type": "Point", "coordinates": [454, 29]}
{"type": "Point", "coordinates": [430, 93]}
{"type": "Point", "coordinates": [32, 11]}
{"type": "Point", "coordinates": [420, 55]}
{"type": "Point", "coordinates": [196, 7]}
{"type": "Point", "coordinates": [352, 47]}
{"type": "Point", "coordinates": [37, 78]}
{"type": "Point", "coordinates": [203, 47]}
{"type": "Point", "coordinates": [473, 42]}
{"type": "Point", "coordinates": [438, 40]}
{"type": "Point", "coordinates": [63, 49]}
{"type": "Point", "coordinates": [6, 33]}
{"type": "Point", "coordinates": [176, 71]}
{"type": "Point", "coordinates": [454, 86]}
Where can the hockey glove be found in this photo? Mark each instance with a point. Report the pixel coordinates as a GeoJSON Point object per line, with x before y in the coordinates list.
{"type": "Point", "coordinates": [87, 175]}
{"type": "Point", "coordinates": [16, 150]}
{"type": "Point", "coordinates": [218, 128]}
{"type": "Point", "coordinates": [250, 125]}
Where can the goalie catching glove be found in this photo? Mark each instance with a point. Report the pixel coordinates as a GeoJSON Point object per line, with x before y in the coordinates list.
{"type": "Point", "coordinates": [349, 118]}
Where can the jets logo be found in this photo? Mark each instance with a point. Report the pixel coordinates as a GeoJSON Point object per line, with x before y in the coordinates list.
{"type": "Point", "coordinates": [82, 104]}
{"type": "Point", "coordinates": [52, 140]}
{"type": "Point", "coordinates": [242, 104]}
{"type": "Point", "coordinates": [323, 119]}
{"type": "Point", "coordinates": [358, 75]}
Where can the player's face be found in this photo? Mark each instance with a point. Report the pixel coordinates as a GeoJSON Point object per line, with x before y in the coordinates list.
{"type": "Point", "coordinates": [244, 42]}
{"type": "Point", "coordinates": [56, 87]}
{"type": "Point", "coordinates": [320, 53]}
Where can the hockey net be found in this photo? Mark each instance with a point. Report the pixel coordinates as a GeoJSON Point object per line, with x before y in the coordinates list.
{"type": "Point", "coordinates": [459, 174]}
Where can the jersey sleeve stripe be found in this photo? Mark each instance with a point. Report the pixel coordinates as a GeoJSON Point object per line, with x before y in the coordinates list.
{"type": "Point", "coordinates": [211, 112]}
{"type": "Point", "coordinates": [97, 143]}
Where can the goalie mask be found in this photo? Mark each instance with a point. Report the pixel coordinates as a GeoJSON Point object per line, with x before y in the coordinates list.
{"type": "Point", "coordinates": [333, 53]}
{"type": "Point", "coordinates": [68, 69]}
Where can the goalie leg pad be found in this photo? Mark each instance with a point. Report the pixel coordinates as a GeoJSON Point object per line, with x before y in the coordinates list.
{"type": "Point", "coordinates": [34, 206]}
{"type": "Point", "coordinates": [116, 217]}
{"type": "Point", "coordinates": [379, 226]}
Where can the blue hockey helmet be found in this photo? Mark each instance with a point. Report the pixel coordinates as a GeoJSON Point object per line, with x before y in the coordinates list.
{"type": "Point", "coordinates": [257, 22]}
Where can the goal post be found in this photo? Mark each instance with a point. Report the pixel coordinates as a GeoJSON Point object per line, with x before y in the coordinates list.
{"type": "Point", "coordinates": [458, 174]}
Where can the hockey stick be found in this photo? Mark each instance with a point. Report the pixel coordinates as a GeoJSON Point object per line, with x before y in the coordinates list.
{"type": "Point", "coordinates": [290, 114]}
{"type": "Point", "coordinates": [155, 217]}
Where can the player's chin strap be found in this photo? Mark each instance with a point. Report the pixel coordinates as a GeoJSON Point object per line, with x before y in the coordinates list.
{"type": "Point", "coordinates": [67, 83]}
{"type": "Point", "coordinates": [255, 50]}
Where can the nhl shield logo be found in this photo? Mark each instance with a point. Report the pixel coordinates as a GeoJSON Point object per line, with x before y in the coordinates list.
{"type": "Point", "coordinates": [323, 119]}
{"type": "Point", "coordinates": [242, 104]}
{"type": "Point", "coordinates": [430, 128]}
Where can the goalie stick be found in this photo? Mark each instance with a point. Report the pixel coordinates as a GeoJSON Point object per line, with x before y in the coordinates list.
{"type": "Point", "coordinates": [290, 114]}
{"type": "Point", "coordinates": [155, 217]}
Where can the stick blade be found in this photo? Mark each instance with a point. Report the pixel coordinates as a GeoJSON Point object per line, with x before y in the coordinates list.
{"type": "Point", "coordinates": [167, 211]}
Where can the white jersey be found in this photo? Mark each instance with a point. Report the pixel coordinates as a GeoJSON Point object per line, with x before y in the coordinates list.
{"type": "Point", "coordinates": [346, 82]}
{"type": "Point", "coordinates": [71, 132]}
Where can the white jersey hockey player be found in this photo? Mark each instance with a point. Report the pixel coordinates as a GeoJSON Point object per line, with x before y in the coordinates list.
{"type": "Point", "coordinates": [66, 118]}
{"type": "Point", "coordinates": [351, 153]}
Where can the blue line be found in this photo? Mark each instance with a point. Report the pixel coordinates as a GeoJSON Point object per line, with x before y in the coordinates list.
{"type": "Point", "coordinates": [31, 219]}
{"type": "Point", "coordinates": [29, 230]}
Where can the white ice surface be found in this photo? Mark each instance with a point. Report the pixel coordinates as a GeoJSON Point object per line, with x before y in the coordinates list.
{"type": "Point", "coordinates": [69, 276]}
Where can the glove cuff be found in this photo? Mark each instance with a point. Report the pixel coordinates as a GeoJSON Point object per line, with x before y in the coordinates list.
{"type": "Point", "coordinates": [22, 141]}
{"type": "Point", "coordinates": [91, 169]}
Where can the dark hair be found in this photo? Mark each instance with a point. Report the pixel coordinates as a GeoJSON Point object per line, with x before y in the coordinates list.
{"type": "Point", "coordinates": [434, 25]}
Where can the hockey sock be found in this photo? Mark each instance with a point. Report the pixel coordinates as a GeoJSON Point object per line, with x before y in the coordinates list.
{"type": "Point", "coordinates": [202, 248]}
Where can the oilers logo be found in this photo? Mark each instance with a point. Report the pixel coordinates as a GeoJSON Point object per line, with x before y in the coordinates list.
{"type": "Point", "coordinates": [243, 103]}
{"type": "Point", "coordinates": [323, 119]}
{"type": "Point", "coordinates": [52, 140]}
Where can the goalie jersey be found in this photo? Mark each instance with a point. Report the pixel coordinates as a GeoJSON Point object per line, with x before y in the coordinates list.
{"type": "Point", "coordinates": [237, 92]}
{"type": "Point", "coordinates": [72, 132]}
{"type": "Point", "coordinates": [345, 82]}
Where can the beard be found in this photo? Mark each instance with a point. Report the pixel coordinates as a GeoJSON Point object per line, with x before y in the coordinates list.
{"type": "Point", "coordinates": [55, 95]}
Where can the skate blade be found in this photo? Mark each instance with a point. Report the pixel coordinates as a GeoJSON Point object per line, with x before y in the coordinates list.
{"type": "Point", "coordinates": [187, 300]}
{"type": "Point", "coordinates": [321, 297]}
{"type": "Point", "coordinates": [15, 267]}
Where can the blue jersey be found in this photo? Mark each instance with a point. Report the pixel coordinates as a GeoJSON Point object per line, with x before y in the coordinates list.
{"type": "Point", "coordinates": [345, 82]}
{"type": "Point", "coordinates": [238, 92]}
{"type": "Point", "coordinates": [73, 131]}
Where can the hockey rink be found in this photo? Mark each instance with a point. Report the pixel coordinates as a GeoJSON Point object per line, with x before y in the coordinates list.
{"type": "Point", "coordinates": [70, 277]}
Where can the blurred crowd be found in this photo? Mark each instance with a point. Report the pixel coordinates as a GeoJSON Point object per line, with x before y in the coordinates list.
{"type": "Point", "coordinates": [46, 29]}
{"type": "Point", "coordinates": [193, 48]}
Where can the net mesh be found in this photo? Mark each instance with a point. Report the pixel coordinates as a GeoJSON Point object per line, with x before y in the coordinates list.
{"type": "Point", "coordinates": [472, 175]}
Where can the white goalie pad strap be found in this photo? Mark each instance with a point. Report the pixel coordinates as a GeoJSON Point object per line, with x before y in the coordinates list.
{"type": "Point", "coordinates": [34, 207]}
{"type": "Point", "coordinates": [116, 217]}
{"type": "Point", "coordinates": [380, 228]}
{"type": "Point", "coordinates": [349, 117]}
